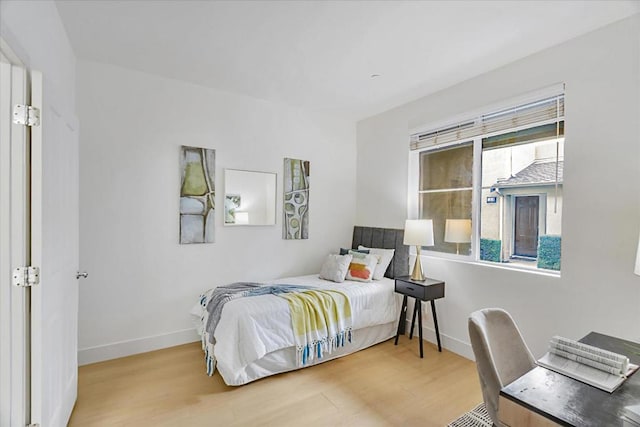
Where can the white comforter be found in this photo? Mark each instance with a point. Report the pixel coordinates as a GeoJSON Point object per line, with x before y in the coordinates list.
{"type": "Point", "coordinates": [253, 327]}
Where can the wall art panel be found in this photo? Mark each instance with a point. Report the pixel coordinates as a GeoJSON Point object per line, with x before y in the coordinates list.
{"type": "Point", "coordinates": [296, 199]}
{"type": "Point", "coordinates": [197, 194]}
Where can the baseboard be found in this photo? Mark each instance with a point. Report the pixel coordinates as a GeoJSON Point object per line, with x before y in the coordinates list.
{"type": "Point", "coordinates": [450, 343]}
{"type": "Point", "coordinates": [140, 345]}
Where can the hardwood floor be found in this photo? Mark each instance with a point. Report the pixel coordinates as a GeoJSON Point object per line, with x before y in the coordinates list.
{"type": "Point", "coordinates": [384, 385]}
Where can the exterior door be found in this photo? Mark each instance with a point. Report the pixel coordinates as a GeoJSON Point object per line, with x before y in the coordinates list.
{"type": "Point", "coordinates": [54, 248]}
{"type": "Point", "coordinates": [526, 226]}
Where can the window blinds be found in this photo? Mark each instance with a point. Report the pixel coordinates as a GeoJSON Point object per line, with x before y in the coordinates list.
{"type": "Point", "coordinates": [528, 135]}
{"type": "Point", "coordinates": [533, 114]}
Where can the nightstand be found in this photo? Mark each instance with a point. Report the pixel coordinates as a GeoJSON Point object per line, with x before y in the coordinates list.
{"type": "Point", "coordinates": [427, 290]}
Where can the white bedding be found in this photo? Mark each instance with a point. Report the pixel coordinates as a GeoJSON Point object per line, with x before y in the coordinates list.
{"type": "Point", "coordinates": [251, 328]}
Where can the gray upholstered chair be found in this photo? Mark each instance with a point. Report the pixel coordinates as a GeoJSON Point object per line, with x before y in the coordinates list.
{"type": "Point", "coordinates": [501, 353]}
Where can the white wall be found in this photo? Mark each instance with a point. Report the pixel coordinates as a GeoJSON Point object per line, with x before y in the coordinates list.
{"type": "Point", "coordinates": [35, 32]}
{"type": "Point", "coordinates": [142, 283]}
{"type": "Point", "coordinates": [601, 214]}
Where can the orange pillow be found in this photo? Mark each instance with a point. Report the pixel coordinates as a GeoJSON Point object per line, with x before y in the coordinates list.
{"type": "Point", "coordinates": [362, 267]}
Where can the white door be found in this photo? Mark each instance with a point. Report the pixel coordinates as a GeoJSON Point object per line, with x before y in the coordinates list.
{"type": "Point", "coordinates": [14, 385]}
{"type": "Point", "coordinates": [54, 248]}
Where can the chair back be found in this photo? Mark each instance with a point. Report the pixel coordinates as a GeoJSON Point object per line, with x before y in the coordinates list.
{"type": "Point", "coordinates": [501, 354]}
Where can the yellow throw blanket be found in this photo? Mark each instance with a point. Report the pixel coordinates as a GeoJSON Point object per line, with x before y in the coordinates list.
{"type": "Point", "coordinates": [321, 322]}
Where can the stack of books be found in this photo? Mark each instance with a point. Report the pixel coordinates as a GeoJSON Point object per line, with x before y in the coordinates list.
{"type": "Point", "coordinates": [591, 365]}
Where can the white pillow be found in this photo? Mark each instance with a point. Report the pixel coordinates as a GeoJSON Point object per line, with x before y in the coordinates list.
{"type": "Point", "coordinates": [335, 267]}
{"type": "Point", "coordinates": [385, 256]}
{"type": "Point", "coordinates": [362, 267]}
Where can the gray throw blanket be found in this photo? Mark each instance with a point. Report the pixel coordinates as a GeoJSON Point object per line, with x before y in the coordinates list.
{"type": "Point", "coordinates": [223, 294]}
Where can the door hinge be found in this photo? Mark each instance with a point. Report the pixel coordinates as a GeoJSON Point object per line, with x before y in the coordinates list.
{"type": "Point", "coordinates": [26, 115]}
{"type": "Point", "coordinates": [26, 276]}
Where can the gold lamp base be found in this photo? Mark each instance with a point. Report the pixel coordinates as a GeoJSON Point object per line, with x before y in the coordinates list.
{"type": "Point", "coordinates": [416, 274]}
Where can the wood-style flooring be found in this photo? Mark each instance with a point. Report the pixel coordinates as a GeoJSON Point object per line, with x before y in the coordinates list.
{"type": "Point", "coordinates": [384, 385]}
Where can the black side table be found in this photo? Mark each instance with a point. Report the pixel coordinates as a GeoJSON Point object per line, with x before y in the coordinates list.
{"type": "Point", "coordinates": [427, 290]}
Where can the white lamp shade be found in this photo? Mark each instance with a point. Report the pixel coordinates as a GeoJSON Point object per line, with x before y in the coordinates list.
{"type": "Point", "coordinates": [637, 269]}
{"type": "Point", "coordinates": [242, 217]}
{"type": "Point", "coordinates": [457, 231]}
{"type": "Point", "coordinates": [418, 232]}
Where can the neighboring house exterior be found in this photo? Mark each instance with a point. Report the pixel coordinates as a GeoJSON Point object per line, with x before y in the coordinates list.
{"type": "Point", "coordinates": [528, 204]}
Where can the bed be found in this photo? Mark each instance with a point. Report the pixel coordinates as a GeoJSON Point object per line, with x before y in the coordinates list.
{"type": "Point", "coordinates": [254, 336]}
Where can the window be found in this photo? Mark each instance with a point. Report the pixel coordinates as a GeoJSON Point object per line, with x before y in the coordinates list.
{"type": "Point", "coordinates": [446, 189]}
{"type": "Point", "coordinates": [512, 197]}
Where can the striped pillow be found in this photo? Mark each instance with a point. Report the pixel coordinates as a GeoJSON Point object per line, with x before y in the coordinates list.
{"type": "Point", "coordinates": [361, 267]}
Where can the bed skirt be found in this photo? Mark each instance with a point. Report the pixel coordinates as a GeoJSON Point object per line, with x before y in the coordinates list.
{"type": "Point", "coordinates": [284, 360]}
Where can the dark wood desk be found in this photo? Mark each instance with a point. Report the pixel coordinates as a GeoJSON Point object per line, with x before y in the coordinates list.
{"type": "Point", "coordinates": [426, 290]}
{"type": "Point", "coordinates": [555, 398]}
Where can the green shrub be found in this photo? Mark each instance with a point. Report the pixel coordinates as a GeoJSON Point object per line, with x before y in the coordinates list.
{"type": "Point", "coordinates": [490, 250]}
{"type": "Point", "coordinates": [549, 252]}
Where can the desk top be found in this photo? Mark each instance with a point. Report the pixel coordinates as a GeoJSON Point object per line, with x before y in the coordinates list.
{"type": "Point", "coordinates": [569, 402]}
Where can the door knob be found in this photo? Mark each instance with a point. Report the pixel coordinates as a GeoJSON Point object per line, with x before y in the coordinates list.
{"type": "Point", "coordinates": [83, 274]}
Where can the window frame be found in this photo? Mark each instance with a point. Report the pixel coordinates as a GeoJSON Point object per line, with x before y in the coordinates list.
{"type": "Point", "coordinates": [413, 203]}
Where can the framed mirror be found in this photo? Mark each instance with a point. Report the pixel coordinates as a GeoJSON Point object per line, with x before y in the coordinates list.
{"type": "Point", "coordinates": [249, 197]}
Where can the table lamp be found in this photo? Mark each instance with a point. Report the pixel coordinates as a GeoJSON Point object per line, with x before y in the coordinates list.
{"type": "Point", "coordinates": [457, 231]}
{"type": "Point", "coordinates": [242, 218]}
{"type": "Point", "coordinates": [418, 232]}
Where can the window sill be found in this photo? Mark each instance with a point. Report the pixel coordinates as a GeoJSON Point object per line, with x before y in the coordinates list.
{"type": "Point", "coordinates": [512, 267]}
{"type": "Point", "coordinates": [466, 259]}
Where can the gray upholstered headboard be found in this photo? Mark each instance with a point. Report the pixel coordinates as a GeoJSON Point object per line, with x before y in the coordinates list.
{"type": "Point", "coordinates": [386, 238]}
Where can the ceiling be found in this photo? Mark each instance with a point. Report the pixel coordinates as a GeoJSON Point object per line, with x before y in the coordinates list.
{"type": "Point", "coordinates": [321, 54]}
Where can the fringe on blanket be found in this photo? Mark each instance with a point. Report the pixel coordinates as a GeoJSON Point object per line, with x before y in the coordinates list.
{"type": "Point", "coordinates": [316, 349]}
{"type": "Point", "coordinates": [210, 362]}
{"type": "Point", "coordinates": [207, 348]}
